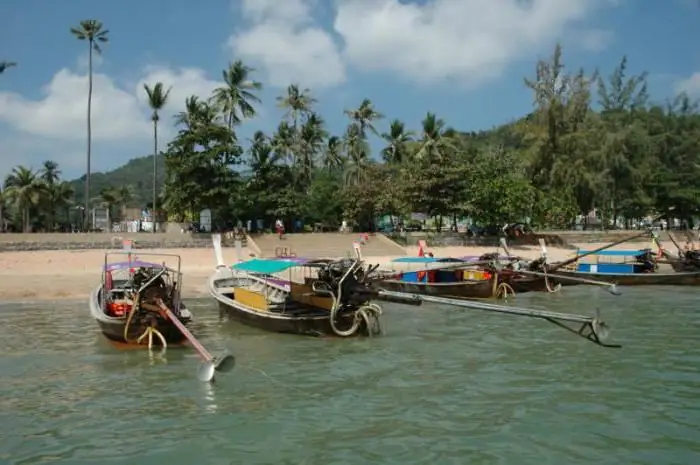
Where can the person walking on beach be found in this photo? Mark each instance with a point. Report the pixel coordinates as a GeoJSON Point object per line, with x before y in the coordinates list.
{"type": "Point", "coordinates": [279, 226]}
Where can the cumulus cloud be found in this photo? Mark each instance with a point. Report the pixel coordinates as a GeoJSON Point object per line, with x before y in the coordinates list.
{"type": "Point", "coordinates": [465, 40]}
{"type": "Point", "coordinates": [468, 41]}
{"type": "Point", "coordinates": [289, 46]}
{"type": "Point", "coordinates": [689, 85]}
{"type": "Point", "coordinates": [54, 125]}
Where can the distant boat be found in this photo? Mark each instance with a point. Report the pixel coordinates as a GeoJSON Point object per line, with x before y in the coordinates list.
{"type": "Point", "coordinates": [626, 268]}
{"type": "Point", "coordinates": [446, 277]}
{"type": "Point", "coordinates": [125, 303]}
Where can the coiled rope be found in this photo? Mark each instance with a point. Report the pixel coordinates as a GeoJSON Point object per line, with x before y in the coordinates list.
{"type": "Point", "coordinates": [504, 290]}
{"type": "Point", "coordinates": [149, 332]}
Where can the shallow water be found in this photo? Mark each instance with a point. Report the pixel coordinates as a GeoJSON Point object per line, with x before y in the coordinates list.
{"type": "Point", "coordinates": [443, 386]}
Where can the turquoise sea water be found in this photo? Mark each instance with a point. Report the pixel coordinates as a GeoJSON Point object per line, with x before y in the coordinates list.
{"type": "Point", "coordinates": [443, 386]}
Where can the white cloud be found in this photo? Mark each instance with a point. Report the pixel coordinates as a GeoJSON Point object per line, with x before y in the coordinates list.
{"type": "Point", "coordinates": [468, 41]}
{"type": "Point", "coordinates": [289, 46]}
{"type": "Point", "coordinates": [61, 114]}
{"type": "Point", "coordinates": [689, 85]}
{"type": "Point", "coordinates": [54, 126]}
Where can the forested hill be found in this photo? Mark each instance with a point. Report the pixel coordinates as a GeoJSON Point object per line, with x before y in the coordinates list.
{"type": "Point", "coordinates": [137, 173]}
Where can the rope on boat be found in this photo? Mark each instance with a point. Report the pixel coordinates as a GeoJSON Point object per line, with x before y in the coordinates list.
{"type": "Point", "coordinates": [547, 285]}
{"type": "Point", "coordinates": [150, 331]}
{"type": "Point", "coordinates": [368, 313]}
{"type": "Point", "coordinates": [504, 290]}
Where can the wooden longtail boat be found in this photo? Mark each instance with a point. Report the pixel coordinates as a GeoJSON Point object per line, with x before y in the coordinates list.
{"type": "Point", "coordinates": [329, 301]}
{"type": "Point", "coordinates": [126, 304]}
{"type": "Point", "coordinates": [462, 278]}
{"type": "Point", "coordinates": [636, 268]}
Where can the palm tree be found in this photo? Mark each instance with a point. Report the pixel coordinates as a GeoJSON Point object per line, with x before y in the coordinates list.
{"type": "Point", "coordinates": [364, 115]}
{"type": "Point", "coordinates": [109, 196]}
{"type": "Point", "coordinates": [333, 154]}
{"type": "Point", "coordinates": [434, 140]}
{"type": "Point", "coordinates": [357, 155]}
{"type": "Point", "coordinates": [91, 31]}
{"type": "Point", "coordinates": [49, 175]}
{"type": "Point", "coordinates": [157, 98]}
{"type": "Point", "coordinates": [62, 197]}
{"type": "Point", "coordinates": [311, 137]}
{"type": "Point", "coordinates": [6, 64]}
{"type": "Point", "coordinates": [397, 139]}
{"type": "Point", "coordinates": [25, 189]}
{"type": "Point", "coordinates": [296, 103]}
{"type": "Point", "coordinates": [235, 99]}
{"type": "Point", "coordinates": [189, 117]}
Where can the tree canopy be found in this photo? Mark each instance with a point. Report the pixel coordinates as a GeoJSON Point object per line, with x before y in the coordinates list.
{"type": "Point", "coordinates": [592, 141]}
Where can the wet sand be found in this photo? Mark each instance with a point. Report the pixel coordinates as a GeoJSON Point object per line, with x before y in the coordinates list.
{"type": "Point", "coordinates": [53, 275]}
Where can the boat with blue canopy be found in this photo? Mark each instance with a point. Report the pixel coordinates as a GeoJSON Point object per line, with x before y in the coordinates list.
{"type": "Point", "coordinates": [297, 295]}
{"type": "Point", "coordinates": [480, 277]}
{"type": "Point", "coordinates": [634, 267]}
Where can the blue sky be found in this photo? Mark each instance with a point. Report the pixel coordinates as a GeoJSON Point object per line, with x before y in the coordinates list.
{"type": "Point", "coordinates": [462, 59]}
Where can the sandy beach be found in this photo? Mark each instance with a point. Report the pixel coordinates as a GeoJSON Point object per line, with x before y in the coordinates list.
{"type": "Point", "coordinates": [52, 275]}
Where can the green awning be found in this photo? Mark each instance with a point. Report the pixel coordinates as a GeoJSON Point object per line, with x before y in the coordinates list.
{"type": "Point", "coordinates": [262, 266]}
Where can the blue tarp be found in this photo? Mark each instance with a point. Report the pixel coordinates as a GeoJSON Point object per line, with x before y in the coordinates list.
{"type": "Point", "coordinates": [614, 253]}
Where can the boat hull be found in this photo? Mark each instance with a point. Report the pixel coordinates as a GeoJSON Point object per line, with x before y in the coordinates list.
{"type": "Point", "coordinates": [635, 279]}
{"type": "Point", "coordinates": [113, 328]}
{"type": "Point", "coordinates": [461, 289]}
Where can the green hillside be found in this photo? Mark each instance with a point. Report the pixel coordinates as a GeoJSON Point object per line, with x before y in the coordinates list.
{"type": "Point", "coordinates": [137, 173]}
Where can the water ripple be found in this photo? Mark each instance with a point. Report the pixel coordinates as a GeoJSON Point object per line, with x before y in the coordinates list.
{"type": "Point", "coordinates": [444, 386]}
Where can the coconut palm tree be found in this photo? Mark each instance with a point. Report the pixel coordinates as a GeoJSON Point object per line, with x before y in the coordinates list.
{"type": "Point", "coordinates": [90, 30]}
{"type": "Point", "coordinates": [296, 103]}
{"type": "Point", "coordinates": [235, 99]}
{"type": "Point", "coordinates": [24, 188]}
{"type": "Point", "coordinates": [434, 139]}
{"type": "Point", "coordinates": [333, 154]}
{"type": "Point", "coordinates": [50, 174]}
{"type": "Point", "coordinates": [6, 64]}
{"type": "Point", "coordinates": [157, 98]}
{"type": "Point", "coordinates": [364, 116]}
{"type": "Point", "coordinates": [311, 140]}
{"type": "Point", "coordinates": [397, 140]}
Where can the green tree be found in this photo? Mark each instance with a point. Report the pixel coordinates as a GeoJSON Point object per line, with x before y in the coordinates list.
{"type": "Point", "coordinates": [157, 99]}
{"type": "Point", "coordinates": [90, 30]}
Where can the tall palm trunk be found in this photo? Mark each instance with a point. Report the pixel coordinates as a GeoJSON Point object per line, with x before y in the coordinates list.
{"type": "Point", "coordinates": [155, 172]}
{"type": "Point", "coordinates": [89, 141]}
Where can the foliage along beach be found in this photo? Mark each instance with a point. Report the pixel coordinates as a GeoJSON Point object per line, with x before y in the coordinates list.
{"type": "Point", "coordinates": [594, 139]}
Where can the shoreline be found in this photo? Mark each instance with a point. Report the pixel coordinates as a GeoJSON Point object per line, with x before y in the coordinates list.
{"type": "Point", "coordinates": [72, 274]}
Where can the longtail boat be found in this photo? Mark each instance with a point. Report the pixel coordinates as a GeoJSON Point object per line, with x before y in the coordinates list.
{"type": "Point", "coordinates": [127, 303]}
{"type": "Point", "coordinates": [632, 268]}
{"type": "Point", "coordinates": [449, 277]}
{"type": "Point", "coordinates": [329, 298]}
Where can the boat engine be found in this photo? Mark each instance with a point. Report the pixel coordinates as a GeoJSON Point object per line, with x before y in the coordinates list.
{"type": "Point", "coordinates": [346, 282]}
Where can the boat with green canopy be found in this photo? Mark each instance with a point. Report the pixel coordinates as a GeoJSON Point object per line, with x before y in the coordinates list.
{"type": "Point", "coordinates": [314, 297]}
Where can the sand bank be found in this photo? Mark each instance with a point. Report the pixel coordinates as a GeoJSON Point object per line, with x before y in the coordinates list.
{"type": "Point", "coordinates": [54, 274]}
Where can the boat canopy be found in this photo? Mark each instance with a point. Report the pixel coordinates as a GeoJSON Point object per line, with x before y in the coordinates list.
{"type": "Point", "coordinates": [615, 253]}
{"type": "Point", "coordinates": [268, 266]}
{"type": "Point", "coordinates": [131, 264]}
